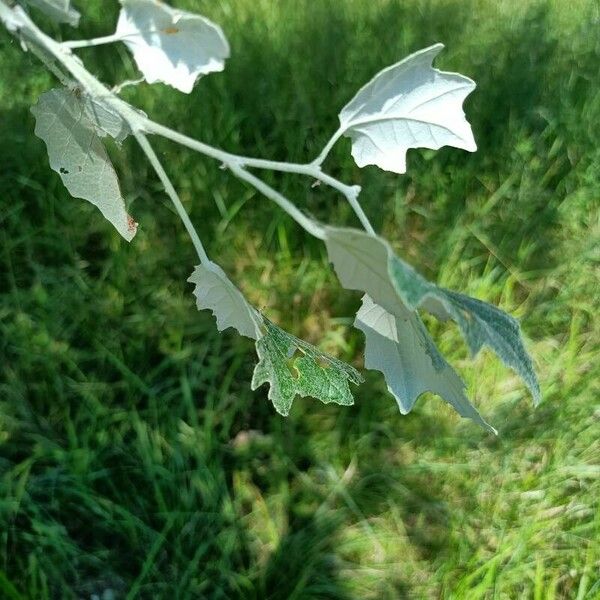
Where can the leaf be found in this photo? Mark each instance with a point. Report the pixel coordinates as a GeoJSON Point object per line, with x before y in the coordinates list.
{"type": "Point", "coordinates": [215, 291]}
{"type": "Point", "coordinates": [105, 119]}
{"type": "Point", "coordinates": [401, 348]}
{"type": "Point", "coordinates": [367, 263]}
{"type": "Point", "coordinates": [76, 153]}
{"type": "Point", "coordinates": [361, 263]}
{"type": "Point", "coordinates": [169, 45]}
{"type": "Point", "coordinates": [59, 10]}
{"type": "Point", "coordinates": [314, 373]}
{"type": "Point", "coordinates": [480, 323]}
{"type": "Point", "coordinates": [407, 105]}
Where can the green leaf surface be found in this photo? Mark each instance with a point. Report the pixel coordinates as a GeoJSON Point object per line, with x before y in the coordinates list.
{"type": "Point", "coordinates": [480, 323]}
{"type": "Point", "coordinates": [293, 367]}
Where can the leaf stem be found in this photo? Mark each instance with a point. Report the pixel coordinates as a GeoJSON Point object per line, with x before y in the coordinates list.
{"type": "Point", "coordinates": [164, 178]}
{"type": "Point", "coordinates": [309, 225]}
{"type": "Point", "coordinates": [328, 146]}
{"type": "Point", "coordinates": [313, 169]}
{"type": "Point", "coordinates": [99, 41]}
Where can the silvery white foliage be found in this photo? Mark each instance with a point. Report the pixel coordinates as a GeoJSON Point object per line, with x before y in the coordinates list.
{"type": "Point", "coordinates": [76, 153]}
{"type": "Point", "coordinates": [407, 105]}
{"type": "Point", "coordinates": [367, 263]}
{"type": "Point", "coordinates": [172, 46]}
{"type": "Point", "coordinates": [310, 373]}
{"type": "Point", "coordinates": [361, 263]}
{"type": "Point", "coordinates": [215, 291]}
{"type": "Point", "coordinates": [59, 10]}
{"type": "Point", "coordinates": [400, 347]}
{"type": "Point", "coordinates": [105, 120]}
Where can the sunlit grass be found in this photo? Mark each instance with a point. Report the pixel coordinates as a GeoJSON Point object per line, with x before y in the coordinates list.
{"type": "Point", "coordinates": [133, 455]}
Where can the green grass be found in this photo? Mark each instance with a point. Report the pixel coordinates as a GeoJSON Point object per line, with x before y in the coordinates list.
{"type": "Point", "coordinates": [133, 455]}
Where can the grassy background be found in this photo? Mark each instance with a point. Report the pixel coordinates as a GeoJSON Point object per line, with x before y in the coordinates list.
{"type": "Point", "coordinates": [134, 460]}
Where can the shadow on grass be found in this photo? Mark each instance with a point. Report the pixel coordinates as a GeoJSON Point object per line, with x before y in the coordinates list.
{"type": "Point", "coordinates": [120, 402]}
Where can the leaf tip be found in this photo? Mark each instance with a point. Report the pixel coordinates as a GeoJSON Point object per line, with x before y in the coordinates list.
{"type": "Point", "coordinates": [132, 227]}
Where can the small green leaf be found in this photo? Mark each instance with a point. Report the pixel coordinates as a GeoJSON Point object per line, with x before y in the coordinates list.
{"type": "Point", "coordinates": [314, 373]}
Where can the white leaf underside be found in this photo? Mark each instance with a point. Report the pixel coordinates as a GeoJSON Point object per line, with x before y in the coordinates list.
{"type": "Point", "coordinates": [360, 261]}
{"type": "Point", "coordinates": [401, 348]}
{"type": "Point", "coordinates": [59, 10]}
{"type": "Point", "coordinates": [366, 263]}
{"type": "Point", "coordinates": [407, 105]}
{"type": "Point", "coordinates": [215, 291]}
{"type": "Point", "coordinates": [171, 46]}
{"type": "Point", "coordinates": [76, 153]}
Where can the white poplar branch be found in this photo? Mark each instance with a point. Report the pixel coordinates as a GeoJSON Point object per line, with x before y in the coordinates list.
{"type": "Point", "coordinates": [18, 22]}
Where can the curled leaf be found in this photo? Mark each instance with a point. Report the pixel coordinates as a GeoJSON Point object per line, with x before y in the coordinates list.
{"type": "Point", "coordinates": [400, 347]}
{"type": "Point", "coordinates": [407, 105]}
{"type": "Point", "coordinates": [367, 263]}
{"type": "Point", "coordinates": [481, 324]}
{"type": "Point", "coordinates": [76, 153]}
{"type": "Point", "coordinates": [172, 46]}
{"type": "Point", "coordinates": [215, 291]}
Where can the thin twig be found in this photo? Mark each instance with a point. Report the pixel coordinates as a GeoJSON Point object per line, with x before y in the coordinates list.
{"type": "Point", "coordinates": [164, 178]}
{"type": "Point", "coordinates": [309, 225]}
{"type": "Point", "coordinates": [140, 123]}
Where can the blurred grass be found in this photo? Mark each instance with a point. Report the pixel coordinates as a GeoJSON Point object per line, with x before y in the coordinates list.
{"type": "Point", "coordinates": [134, 459]}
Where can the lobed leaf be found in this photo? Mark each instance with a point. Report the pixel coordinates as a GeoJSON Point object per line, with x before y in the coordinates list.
{"type": "Point", "coordinates": [76, 153]}
{"type": "Point", "coordinates": [366, 262]}
{"type": "Point", "coordinates": [401, 348]}
{"type": "Point", "coordinates": [407, 105]}
{"type": "Point", "coordinates": [172, 46]}
{"type": "Point", "coordinates": [313, 373]}
{"type": "Point", "coordinates": [480, 323]}
{"type": "Point", "coordinates": [58, 10]}
{"type": "Point", "coordinates": [215, 291]}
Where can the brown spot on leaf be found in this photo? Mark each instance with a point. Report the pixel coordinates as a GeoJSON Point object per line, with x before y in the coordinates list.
{"type": "Point", "coordinates": [171, 30]}
{"type": "Point", "coordinates": [131, 224]}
